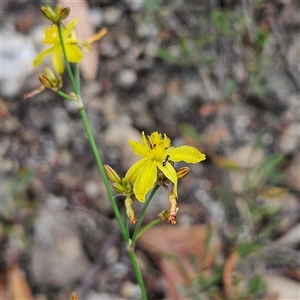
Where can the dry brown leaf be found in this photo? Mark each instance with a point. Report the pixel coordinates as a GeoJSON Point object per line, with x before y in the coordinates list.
{"type": "Point", "coordinates": [18, 287]}
{"type": "Point", "coordinates": [4, 112]}
{"type": "Point", "coordinates": [85, 29]}
{"type": "Point", "coordinates": [225, 162]}
{"type": "Point", "coordinates": [180, 243]}
{"type": "Point", "coordinates": [273, 192]}
{"type": "Point", "coordinates": [229, 266]}
{"type": "Point", "coordinates": [216, 137]}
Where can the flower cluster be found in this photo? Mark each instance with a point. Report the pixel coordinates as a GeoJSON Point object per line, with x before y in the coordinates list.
{"type": "Point", "coordinates": [158, 156]}
{"type": "Point", "coordinates": [57, 34]}
{"type": "Point", "coordinates": [156, 167]}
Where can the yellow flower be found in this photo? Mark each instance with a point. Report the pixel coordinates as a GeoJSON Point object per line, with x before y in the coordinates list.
{"type": "Point", "coordinates": [73, 51]}
{"type": "Point", "coordinates": [157, 154]}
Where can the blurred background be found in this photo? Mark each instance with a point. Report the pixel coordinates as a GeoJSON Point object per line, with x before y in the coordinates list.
{"type": "Point", "coordinates": [222, 76]}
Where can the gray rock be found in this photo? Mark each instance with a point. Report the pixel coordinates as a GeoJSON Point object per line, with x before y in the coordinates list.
{"type": "Point", "coordinates": [292, 173]}
{"type": "Point", "coordinates": [127, 78]}
{"type": "Point", "coordinates": [134, 5]}
{"type": "Point", "coordinates": [92, 295]}
{"type": "Point", "coordinates": [289, 139]}
{"type": "Point", "coordinates": [117, 136]}
{"type": "Point", "coordinates": [57, 256]}
{"type": "Point", "coordinates": [112, 15]}
{"type": "Point", "coordinates": [17, 54]}
{"type": "Point", "coordinates": [96, 16]}
{"type": "Point", "coordinates": [61, 125]}
{"type": "Point", "coordinates": [124, 42]}
{"type": "Point", "coordinates": [107, 48]}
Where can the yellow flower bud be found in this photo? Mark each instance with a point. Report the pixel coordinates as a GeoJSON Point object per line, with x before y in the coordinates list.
{"type": "Point", "coordinates": [112, 174]}
{"type": "Point", "coordinates": [49, 13]}
{"type": "Point", "coordinates": [73, 296]}
{"type": "Point", "coordinates": [64, 13]}
{"type": "Point", "coordinates": [56, 16]}
{"type": "Point", "coordinates": [50, 80]}
{"type": "Point", "coordinates": [45, 81]}
{"type": "Point", "coordinates": [182, 172]}
{"type": "Point", "coordinates": [118, 187]}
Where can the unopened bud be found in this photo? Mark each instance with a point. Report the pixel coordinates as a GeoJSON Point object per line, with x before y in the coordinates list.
{"type": "Point", "coordinates": [56, 16]}
{"type": "Point", "coordinates": [49, 13]}
{"type": "Point", "coordinates": [64, 13]}
{"type": "Point", "coordinates": [118, 187]}
{"type": "Point", "coordinates": [45, 81]}
{"type": "Point", "coordinates": [50, 80]}
{"type": "Point", "coordinates": [182, 172]}
{"type": "Point", "coordinates": [73, 296]}
{"type": "Point", "coordinates": [112, 174]}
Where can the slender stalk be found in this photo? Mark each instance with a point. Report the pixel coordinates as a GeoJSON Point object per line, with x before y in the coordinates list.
{"type": "Point", "coordinates": [66, 96]}
{"type": "Point", "coordinates": [102, 172]}
{"type": "Point", "coordinates": [126, 223]}
{"type": "Point", "coordinates": [77, 77]}
{"type": "Point", "coordinates": [68, 67]}
{"type": "Point", "coordinates": [148, 226]}
{"type": "Point", "coordinates": [138, 273]}
{"type": "Point", "coordinates": [141, 217]}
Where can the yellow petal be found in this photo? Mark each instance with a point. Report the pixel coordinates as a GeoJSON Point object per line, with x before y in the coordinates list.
{"type": "Point", "coordinates": [70, 28]}
{"type": "Point", "coordinates": [58, 61]}
{"type": "Point", "coordinates": [51, 35]}
{"type": "Point", "coordinates": [134, 170]}
{"type": "Point", "coordinates": [139, 149]}
{"type": "Point", "coordinates": [145, 180]}
{"type": "Point", "coordinates": [170, 173]}
{"type": "Point", "coordinates": [74, 53]}
{"type": "Point", "coordinates": [99, 35]}
{"type": "Point", "coordinates": [41, 56]}
{"type": "Point", "coordinates": [186, 153]}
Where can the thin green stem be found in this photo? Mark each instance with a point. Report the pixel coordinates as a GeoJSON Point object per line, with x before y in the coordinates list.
{"type": "Point", "coordinates": [141, 217]}
{"type": "Point", "coordinates": [126, 223]}
{"type": "Point", "coordinates": [66, 96]}
{"type": "Point", "coordinates": [68, 67]}
{"type": "Point", "coordinates": [138, 273]}
{"type": "Point", "coordinates": [103, 174]}
{"type": "Point", "coordinates": [148, 226]}
{"type": "Point", "coordinates": [77, 77]}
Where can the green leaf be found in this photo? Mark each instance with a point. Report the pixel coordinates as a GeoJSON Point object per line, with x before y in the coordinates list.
{"type": "Point", "coordinates": [221, 21]}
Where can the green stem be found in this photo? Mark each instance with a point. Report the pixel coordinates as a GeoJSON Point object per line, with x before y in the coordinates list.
{"type": "Point", "coordinates": [66, 96]}
{"type": "Point", "coordinates": [138, 273]}
{"type": "Point", "coordinates": [77, 77]}
{"type": "Point", "coordinates": [148, 226]}
{"type": "Point", "coordinates": [103, 174]}
{"type": "Point", "coordinates": [141, 217]}
{"type": "Point", "coordinates": [68, 67]}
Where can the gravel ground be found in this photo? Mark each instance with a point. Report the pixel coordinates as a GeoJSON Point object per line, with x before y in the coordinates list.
{"type": "Point", "coordinates": [222, 76]}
